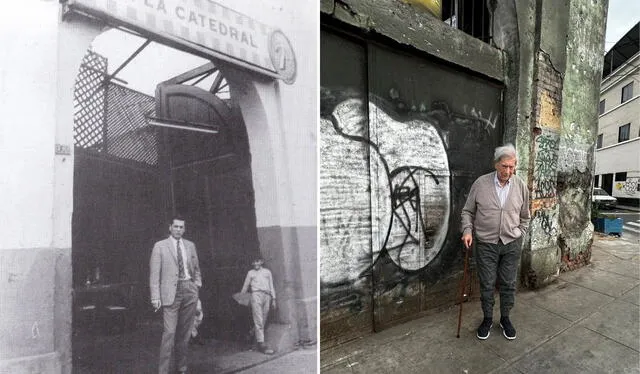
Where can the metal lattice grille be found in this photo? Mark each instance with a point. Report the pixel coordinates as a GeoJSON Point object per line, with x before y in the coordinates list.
{"type": "Point", "coordinates": [89, 101]}
{"type": "Point", "coordinates": [110, 118]}
{"type": "Point", "coordinates": [128, 133]}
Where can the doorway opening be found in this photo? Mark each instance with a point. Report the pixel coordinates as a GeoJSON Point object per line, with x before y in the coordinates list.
{"type": "Point", "coordinates": [157, 132]}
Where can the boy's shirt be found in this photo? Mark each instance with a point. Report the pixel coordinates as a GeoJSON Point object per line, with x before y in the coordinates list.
{"type": "Point", "coordinates": [259, 280]}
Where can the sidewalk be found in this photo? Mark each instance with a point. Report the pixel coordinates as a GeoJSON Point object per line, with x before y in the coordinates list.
{"type": "Point", "coordinates": [136, 352]}
{"type": "Point", "coordinates": [298, 361]}
{"type": "Point", "coordinates": [588, 321]}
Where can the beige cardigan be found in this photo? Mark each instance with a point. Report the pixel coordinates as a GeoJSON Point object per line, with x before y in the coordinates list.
{"type": "Point", "coordinates": [483, 215]}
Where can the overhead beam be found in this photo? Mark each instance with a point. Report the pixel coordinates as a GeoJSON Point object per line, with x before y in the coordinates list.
{"type": "Point", "coordinates": [216, 84]}
{"type": "Point", "coordinates": [193, 73]}
{"type": "Point", "coordinates": [205, 76]}
{"type": "Point", "coordinates": [128, 60]}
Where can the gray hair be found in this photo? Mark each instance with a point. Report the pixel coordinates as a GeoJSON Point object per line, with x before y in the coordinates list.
{"type": "Point", "coordinates": [507, 150]}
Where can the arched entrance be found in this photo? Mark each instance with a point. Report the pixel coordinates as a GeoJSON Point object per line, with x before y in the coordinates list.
{"type": "Point", "coordinates": [202, 168]}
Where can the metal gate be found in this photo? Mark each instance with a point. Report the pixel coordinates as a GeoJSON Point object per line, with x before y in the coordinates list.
{"type": "Point", "coordinates": [207, 178]}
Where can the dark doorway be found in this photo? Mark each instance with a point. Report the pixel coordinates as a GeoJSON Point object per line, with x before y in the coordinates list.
{"type": "Point", "coordinates": [607, 183]}
{"type": "Point", "coordinates": [206, 177]}
{"type": "Point", "coordinates": [131, 174]}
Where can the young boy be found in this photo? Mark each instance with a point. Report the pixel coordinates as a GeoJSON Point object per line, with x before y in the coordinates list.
{"type": "Point", "coordinates": [260, 283]}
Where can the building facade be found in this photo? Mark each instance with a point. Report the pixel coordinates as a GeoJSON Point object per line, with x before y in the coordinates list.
{"type": "Point", "coordinates": [413, 102]}
{"type": "Point", "coordinates": [618, 144]}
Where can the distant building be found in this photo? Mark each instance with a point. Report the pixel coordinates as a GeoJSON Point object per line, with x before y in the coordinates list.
{"type": "Point", "coordinates": [617, 153]}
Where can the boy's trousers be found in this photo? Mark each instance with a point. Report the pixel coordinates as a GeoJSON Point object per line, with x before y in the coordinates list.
{"type": "Point", "coordinates": [260, 302]}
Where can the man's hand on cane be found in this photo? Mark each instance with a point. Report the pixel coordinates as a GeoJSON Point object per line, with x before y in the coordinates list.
{"type": "Point", "coordinates": [467, 240]}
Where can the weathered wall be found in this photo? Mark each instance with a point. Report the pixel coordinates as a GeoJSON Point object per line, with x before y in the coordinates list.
{"type": "Point", "coordinates": [35, 254]}
{"type": "Point", "coordinates": [546, 58]}
{"type": "Point", "coordinates": [402, 139]}
{"type": "Point", "coordinates": [568, 61]}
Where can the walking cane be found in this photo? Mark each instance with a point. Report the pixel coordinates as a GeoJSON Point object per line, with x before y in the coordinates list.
{"type": "Point", "coordinates": [463, 288]}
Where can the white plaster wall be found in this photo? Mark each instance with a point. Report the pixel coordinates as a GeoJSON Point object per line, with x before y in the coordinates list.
{"type": "Point", "coordinates": [616, 113]}
{"type": "Point", "coordinates": [260, 106]}
{"type": "Point", "coordinates": [301, 108]}
{"type": "Point", "coordinates": [619, 158]}
{"type": "Point", "coordinates": [28, 82]}
{"type": "Point", "coordinates": [74, 37]}
{"type": "Point", "coordinates": [610, 122]}
{"type": "Point", "coordinates": [299, 21]}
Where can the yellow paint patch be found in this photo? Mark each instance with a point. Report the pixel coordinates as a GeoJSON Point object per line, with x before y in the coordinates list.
{"type": "Point", "coordinates": [433, 6]}
{"type": "Point", "coordinates": [545, 203]}
{"type": "Point", "coordinates": [549, 112]}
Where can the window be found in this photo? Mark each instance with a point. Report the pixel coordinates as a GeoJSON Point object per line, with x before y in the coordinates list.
{"type": "Point", "coordinates": [601, 107]}
{"type": "Point", "coordinates": [627, 92]}
{"type": "Point", "coordinates": [623, 132]}
{"type": "Point", "coordinates": [599, 142]}
{"type": "Point", "coordinates": [621, 177]}
{"type": "Point", "coordinates": [596, 181]}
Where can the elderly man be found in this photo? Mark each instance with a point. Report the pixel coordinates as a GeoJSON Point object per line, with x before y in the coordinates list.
{"type": "Point", "coordinates": [174, 280]}
{"type": "Point", "coordinates": [497, 212]}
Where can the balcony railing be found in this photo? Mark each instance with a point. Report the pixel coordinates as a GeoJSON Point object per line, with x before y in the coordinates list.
{"type": "Point", "coordinates": [474, 17]}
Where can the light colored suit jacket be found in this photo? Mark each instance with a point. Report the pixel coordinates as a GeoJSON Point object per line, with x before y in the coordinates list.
{"type": "Point", "coordinates": [163, 269]}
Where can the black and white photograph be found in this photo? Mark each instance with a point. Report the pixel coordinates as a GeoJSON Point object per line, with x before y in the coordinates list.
{"type": "Point", "coordinates": [161, 213]}
{"type": "Point", "coordinates": [319, 186]}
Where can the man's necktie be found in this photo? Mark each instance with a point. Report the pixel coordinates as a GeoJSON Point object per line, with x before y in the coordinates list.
{"type": "Point", "coordinates": [181, 274]}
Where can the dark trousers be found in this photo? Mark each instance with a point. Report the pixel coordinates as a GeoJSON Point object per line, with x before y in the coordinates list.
{"type": "Point", "coordinates": [178, 321]}
{"type": "Point", "coordinates": [499, 261]}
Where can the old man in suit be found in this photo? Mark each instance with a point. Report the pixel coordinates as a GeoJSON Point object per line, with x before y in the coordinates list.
{"type": "Point", "coordinates": [175, 282]}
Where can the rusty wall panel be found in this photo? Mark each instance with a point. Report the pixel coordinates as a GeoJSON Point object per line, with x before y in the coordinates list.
{"type": "Point", "coordinates": [436, 129]}
{"type": "Point", "coordinates": [345, 218]}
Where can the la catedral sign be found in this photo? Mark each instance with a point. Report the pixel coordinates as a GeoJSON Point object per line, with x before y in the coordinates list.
{"type": "Point", "coordinates": [207, 25]}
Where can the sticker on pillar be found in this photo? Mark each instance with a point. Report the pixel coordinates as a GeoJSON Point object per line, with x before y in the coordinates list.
{"type": "Point", "coordinates": [282, 56]}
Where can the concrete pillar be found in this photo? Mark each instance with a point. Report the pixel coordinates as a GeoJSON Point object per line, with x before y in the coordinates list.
{"type": "Point", "coordinates": [278, 231]}
{"type": "Point", "coordinates": [558, 54]}
{"type": "Point", "coordinates": [580, 97]}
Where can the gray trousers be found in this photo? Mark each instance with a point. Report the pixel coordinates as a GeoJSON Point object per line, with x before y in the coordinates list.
{"type": "Point", "coordinates": [260, 302]}
{"type": "Point", "coordinates": [178, 321]}
{"type": "Point", "coordinates": [499, 261]}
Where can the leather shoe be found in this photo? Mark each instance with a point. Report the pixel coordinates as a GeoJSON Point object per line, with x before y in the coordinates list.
{"type": "Point", "coordinates": [266, 350]}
